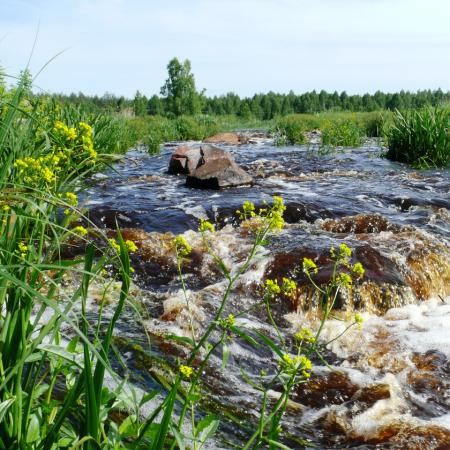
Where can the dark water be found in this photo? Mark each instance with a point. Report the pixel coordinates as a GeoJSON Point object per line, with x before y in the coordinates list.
{"type": "Point", "coordinates": [390, 388]}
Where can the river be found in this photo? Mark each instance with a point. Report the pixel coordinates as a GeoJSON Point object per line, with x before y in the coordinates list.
{"type": "Point", "coordinates": [390, 383]}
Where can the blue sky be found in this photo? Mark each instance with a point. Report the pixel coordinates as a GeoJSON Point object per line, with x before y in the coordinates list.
{"type": "Point", "coordinates": [244, 46]}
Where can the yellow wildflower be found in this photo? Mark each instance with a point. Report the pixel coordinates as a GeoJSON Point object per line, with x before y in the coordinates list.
{"type": "Point", "coordinates": [272, 287]}
{"type": "Point", "coordinates": [114, 244]}
{"type": "Point", "coordinates": [305, 335]}
{"type": "Point", "coordinates": [359, 320]}
{"type": "Point", "coordinates": [186, 371]}
{"type": "Point", "coordinates": [72, 198]}
{"type": "Point", "coordinates": [205, 225]}
{"type": "Point", "coordinates": [131, 246]}
{"type": "Point", "coordinates": [309, 266]}
{"type": "Point", "coordinates": [344, 279]}
{"type": "Point", "coordinates": [80, 230]}
{"type": "Point", "coordinates": [182, 247]}
{"type": "Point", "coordinates": [289, 286]}
{"type": "Point", "coordinates": [358, 270]}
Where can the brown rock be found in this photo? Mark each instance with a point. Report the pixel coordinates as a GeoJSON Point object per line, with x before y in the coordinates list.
{"type": "Point", "coordinates": [208, 167]}
{"type": "Point", "coordinates": [227, 138]}
{"type": "Point", "coordinates": [218, 173]}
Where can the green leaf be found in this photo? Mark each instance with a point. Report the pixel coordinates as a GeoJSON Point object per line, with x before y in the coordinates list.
{"type": "Point", "coordinates": [225, 355]}
{"type": "Point", "coordinates": [270, 343]}
{"type": "Point", "coordinates": [244, 336]}
{"type": "Point", "coordinates": [147, 397]}
{"type": "Point", "coordinates": [33, 431]}
{"type": "Point", "coordinates": [182, 339]}
{"type": "Point", "coordinates": [128, 427]}
{"type": "Point", "coordinates": [178, 436]}
{"type": "Point", "coordinates": [4, 407]}
{"type": "Point", "coordinates": [206, 428]}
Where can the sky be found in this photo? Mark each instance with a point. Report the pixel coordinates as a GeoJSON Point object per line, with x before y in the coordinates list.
{"type": "Point", "coordinates": [241, 46]}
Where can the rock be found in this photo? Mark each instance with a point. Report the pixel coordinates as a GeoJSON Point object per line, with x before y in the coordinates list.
{"type": "Point", "coordinates": [218, 174]}
{"type": "Point", "coordinates": [208, 167]}
{"type": "Point", "coordinates": [186, 159]}
{"type": "Point", "coordinates": [227, 138]}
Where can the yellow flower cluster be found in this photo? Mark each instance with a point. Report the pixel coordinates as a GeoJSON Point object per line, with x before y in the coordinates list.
{"type": "Point", "coordinates": [359, 320]}
{"type": "Point", "coordinates": [358, 270]}
{"type": "Point", "coordinates": [275, 214]}
{"type": "Point", "coordinates": [22, 249]}
{"type": "Point", "coordinates": [344, 253]}
{"type": "Point", "coordinates": [73, 146]}
{"type": "Point", "coordinates": [72, 199]}
{"type": "Point", "coordinates": [272, 287]}
{"type": "Point", "coordinates": [32, 171]}
{"type": "Point", "coordinates": [205, 225]}
{"type": "Point", "coordinates": [228, 322]}
{"type": "Point", "coordinates": [78, 141]}
{"type": "Point", "coordinates": [296, 363]}
{"type": "Point", "coordinates": [309, 266]}
{"type": "Point", "coordinates": [80, 231]}
{"type": "Point", "coordinates": [289, 286]}
{"type": "Point", "coordinates": [114, 245]}
{"type": "Point", "coordinates": [69, 133]}
{"type": "Point", "coordinates": [186, 371]}
{"type": "Point", "coordinates": [305, 335]}
{"type": "Point", "coordinates": [182, 247]}
{"type": "Point", "coordinates": [344, 279]}
{"type": "Point", "coordinates": [130, 245]}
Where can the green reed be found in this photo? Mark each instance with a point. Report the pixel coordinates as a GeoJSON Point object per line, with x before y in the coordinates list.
{"type": "Point", "coordinates": [420, 137]}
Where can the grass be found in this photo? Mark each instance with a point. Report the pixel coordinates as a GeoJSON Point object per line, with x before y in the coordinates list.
{"type": "Point", "coordinates": [338, 129]}
{"type": "Point", "coordinates": [420, 138]}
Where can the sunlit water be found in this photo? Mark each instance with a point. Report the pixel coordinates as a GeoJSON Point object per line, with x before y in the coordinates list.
{"type": "Point", "coordinates": [391, 387]}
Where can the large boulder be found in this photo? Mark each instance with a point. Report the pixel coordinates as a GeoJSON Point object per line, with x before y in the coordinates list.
{"type": "Point", "coordinates": [218, 173]}
{"type": "Point", "coordinates": [208, 167]}
{"type": "Point", "coordinates": [186, 159]}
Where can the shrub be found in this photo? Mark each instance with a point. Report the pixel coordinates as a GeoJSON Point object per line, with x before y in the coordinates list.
{"type": "Point", "coordinates": [342, 133]}
{"type": "Point", "coordinates": [290, 130]}
{"type": "Point", "coordinates": [420, 138]}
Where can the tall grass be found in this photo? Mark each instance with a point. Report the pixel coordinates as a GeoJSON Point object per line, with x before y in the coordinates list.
{"type": "Point", "coordinates": [338, 129]}
{"type": "Point", "coordinates": [420, 137]}
{"type": "Point", "coordinates": [41, 160]}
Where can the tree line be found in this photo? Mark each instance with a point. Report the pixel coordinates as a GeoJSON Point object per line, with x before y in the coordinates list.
{"type": "Point", "coordinates": [179, 96]}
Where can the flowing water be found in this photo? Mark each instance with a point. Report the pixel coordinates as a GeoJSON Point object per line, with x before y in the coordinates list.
{"type": "Point", "coordinates": [390, 387]}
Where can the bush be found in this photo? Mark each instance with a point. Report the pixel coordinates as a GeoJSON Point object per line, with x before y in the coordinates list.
{"type": "Point", "coordinates": [343, 134]}
{"type": "Point", "coordinates": [420, 138]}
{"type": "Point", "coordinates": [290, 130]}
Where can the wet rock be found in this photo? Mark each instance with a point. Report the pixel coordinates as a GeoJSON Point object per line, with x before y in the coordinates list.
{"type": "Point", "coordinates": [362, 223]}
{"type": "Point", "coordinates": [218, 172]}
{"type": "Point", "coordinates": [330, 388]}
{"type": "Point", "coordinates": [186, 159]}
{"type": "Point", "coordinates": [227, 138]}
{"type": "Point", "coordinates": [208, 167]}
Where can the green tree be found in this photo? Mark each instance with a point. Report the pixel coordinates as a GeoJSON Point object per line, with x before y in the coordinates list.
{"type": "Point", "coordinates": [179, 90]}
{"type": "Point", "coordinates": [140, 104]}
{"type": "Point", "coordinates": [155, 106]}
